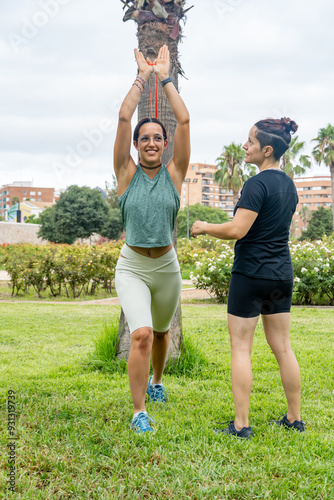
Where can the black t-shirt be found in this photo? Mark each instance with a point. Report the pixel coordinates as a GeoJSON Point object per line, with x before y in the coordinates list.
{"type": "Point", "coordinates": [264, 251]}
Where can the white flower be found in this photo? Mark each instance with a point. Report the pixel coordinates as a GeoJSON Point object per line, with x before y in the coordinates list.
{"type": "Point", "coordinates": [316, 269]}
{"type": "Point", "coordinates": [303, 270]}
{"type": "Point", "coordinates": [297, 280]}
{"type": "Point", "coordinates": [195, 255]}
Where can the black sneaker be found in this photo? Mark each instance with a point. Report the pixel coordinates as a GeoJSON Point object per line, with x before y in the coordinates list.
{"type": "Point", "coordinates": [297, 424]}
{"type": "Point", "coordinates": [244, 433]}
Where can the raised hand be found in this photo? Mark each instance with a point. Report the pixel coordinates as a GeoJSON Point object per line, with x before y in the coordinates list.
{"type": "Point", "coordinates": [161, 64]}
{"type": "Point", "coordinates": [145, 67]}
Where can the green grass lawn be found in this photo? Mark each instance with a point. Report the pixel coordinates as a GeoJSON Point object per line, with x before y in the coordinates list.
{"type": "Point", "coordinates": [74, 440]}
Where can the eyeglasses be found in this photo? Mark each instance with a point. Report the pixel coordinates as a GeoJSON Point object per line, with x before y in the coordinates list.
{"type": "Point", "coordinates": [145, 139]}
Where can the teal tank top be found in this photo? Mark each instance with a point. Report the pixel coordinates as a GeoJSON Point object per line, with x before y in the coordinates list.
{"type": "Point", "coordinates": [149, 208]}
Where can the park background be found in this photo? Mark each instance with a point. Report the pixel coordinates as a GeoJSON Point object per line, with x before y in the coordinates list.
{"type": "Point", "coordinates": [72, 406]}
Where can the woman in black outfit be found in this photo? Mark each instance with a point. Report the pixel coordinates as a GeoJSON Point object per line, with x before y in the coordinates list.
{"type": "Point", "coordinates": [262, 274]}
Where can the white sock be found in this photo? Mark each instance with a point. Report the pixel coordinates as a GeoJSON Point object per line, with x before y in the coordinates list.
{"type": "Point", "coordinates": [137, 413]}
{"type": "Point", "coordinates": [156, 384]}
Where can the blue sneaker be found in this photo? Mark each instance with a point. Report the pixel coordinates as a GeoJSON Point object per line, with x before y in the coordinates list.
{"type": "Point", "coordinates": [244, 433]}
{"type": "Point", "coordinates": [299, 425]}
{"type": "Point", "coordinates": [156, 392]}
{"type": "Point", "coordinates": [141, 423]}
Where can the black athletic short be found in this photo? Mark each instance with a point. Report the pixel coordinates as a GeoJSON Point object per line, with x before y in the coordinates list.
{"type": "Point", "coordinates": [249, 297]}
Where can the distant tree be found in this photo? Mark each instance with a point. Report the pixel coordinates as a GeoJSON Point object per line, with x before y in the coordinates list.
{"type": "Point", "coordinates": [293, 229]}
{"type": "Point", "coordinates": [198, 212]}
{"type": "Point", "coordinates": [305, 215]}
{"type": "Point", "coordinates": [114, 223]}
{"type": "Point", "coordinates": [15, 200]}
{"type": "Point", "coordinates": [79, 212]}
{"type": "Point", "coordinates": [324, 152]}
{"type": "Point", "coordinates": [113, 226]}
{"type": "Point", "coordinates": [48, 230]}
{"type": "Point", "coordinates": [232, 172]}
{"type": "Point", "coordinates": [321, 224]}
{"type": "Point", "coordinates": [32, 219]}
{"type": "Point", "coordinates": [111, 190]}
{"type": "Point", "coordinates": [293, 163]}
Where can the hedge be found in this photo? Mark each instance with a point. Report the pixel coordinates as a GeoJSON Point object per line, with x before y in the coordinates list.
{"type": "Point", "coordinates": [57, 268]}
{"type": "Point", "coordinates": [74, 268]}
{"type": "Point", "coordinates": [313, 266]}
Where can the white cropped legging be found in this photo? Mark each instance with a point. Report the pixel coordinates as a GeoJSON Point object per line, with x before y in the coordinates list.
{"type": "Point", "coordinates": [148, 289]}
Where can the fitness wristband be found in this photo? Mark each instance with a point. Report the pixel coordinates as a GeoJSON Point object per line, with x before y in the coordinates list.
{"type": "Point", "coordinates": [166, 80]}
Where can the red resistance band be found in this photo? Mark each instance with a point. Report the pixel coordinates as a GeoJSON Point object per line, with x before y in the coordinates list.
{"type": "Point", "coordinates": [156, 94]}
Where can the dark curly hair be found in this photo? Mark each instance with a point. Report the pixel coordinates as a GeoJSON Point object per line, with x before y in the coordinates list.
{"type": "Point", "coordinates": [275, 133]}
{"type": "Point", "coordinates": [148, 120]}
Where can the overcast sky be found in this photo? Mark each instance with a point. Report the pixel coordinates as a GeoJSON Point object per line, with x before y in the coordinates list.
{"type": "Point", "coordinates": [67, 64]}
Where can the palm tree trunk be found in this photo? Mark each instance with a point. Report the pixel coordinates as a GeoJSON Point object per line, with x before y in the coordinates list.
{"type": "Point", "coordinates": [235, 198]}
{"type": "Point", "coordinates": [151, 36]}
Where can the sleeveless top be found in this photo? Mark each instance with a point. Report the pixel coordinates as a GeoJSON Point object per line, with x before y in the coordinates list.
{"type": "Point", "coordinates": [149, 208]}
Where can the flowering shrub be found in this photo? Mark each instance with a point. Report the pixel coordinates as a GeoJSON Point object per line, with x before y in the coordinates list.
{"type": "Point", "coordinates": [2, 252]}
{"type": "Point", "coordinates": [214, 272]}
{"type": "Point", "coordinates": [313, 265]}
{"type": "Point", "coordinates": [191, 251]}
{"type": "Point", "coordinates": [211, 262]}
{"type": "Point", "coordinates": [56, 267]}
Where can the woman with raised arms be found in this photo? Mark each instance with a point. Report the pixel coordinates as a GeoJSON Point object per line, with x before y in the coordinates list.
{"type": "Point", "coordinates": [148, 279]}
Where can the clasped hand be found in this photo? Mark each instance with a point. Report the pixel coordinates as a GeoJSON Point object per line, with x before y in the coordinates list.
{"type": "Point", "coordinates": [198, 227]}
{"type": "Point", "coordinates": [160, 66]}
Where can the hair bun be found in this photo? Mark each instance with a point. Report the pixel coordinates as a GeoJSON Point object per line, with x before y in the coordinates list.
{"type": "Point", "coordinates": [289, 125]}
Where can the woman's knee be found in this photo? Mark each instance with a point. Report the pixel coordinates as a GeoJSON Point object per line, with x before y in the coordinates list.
{"type": "Point", "coordinates": [281, 351]}
{"type": "Point", "coordinates": [241, 343]}
{"type": "Point", "coordinates": [142, 339]}
{"type": "Point", "coordinates": [238, 347]}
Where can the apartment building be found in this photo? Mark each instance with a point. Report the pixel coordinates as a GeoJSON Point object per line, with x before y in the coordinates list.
{"type": "Point", "coordinates": [200, 187]}
{"type": "Point", "coordinates": [313, 192]}
{"type": "Point", "coordinates": [23, 191]}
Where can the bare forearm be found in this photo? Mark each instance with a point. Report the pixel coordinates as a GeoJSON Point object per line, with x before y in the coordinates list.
{"type": "Point", "coordinates": [233, 230]}
{"type": "Point", "coordinates": [131, 100]}
{"type": "Point", "coordinates": [176, 103]}
{"type": "Point", "coordinates": [226, 231]}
